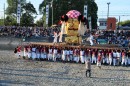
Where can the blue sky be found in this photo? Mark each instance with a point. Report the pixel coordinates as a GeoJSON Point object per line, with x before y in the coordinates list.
{"type": "Point", "coordinates": [116, 8]}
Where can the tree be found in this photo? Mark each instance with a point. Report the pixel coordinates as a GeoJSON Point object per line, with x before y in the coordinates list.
{"type": "Point", "coordinates": [1, 22]}
{"type": "Point", "coordinates": [12, 6]}
{"type": "Point", "coordinates": [61, 7]}
{"type": "Point", "coordinates": [41, 21]}
{"type": "Point", "coordinates": [123, 23]}
{"type": "Point", "coordinates": [27, 10]}
{"type": "Point", "coordinates": [10, 20]}
{"type": "Point", "coordinates": [27, 19]}
{"type": "Point", "coordinates": [92, 12]}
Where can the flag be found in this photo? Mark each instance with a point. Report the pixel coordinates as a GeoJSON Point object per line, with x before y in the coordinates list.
{"type": "Point", "coordinates": [85, 11]}
{"type": "Point", "coordinates": [47, 14]}
{"type": "Point", "coordinates": [18, 12]}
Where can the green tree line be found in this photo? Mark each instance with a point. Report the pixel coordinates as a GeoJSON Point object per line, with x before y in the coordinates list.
{"type": "Point", "coordinates": [60, 7]}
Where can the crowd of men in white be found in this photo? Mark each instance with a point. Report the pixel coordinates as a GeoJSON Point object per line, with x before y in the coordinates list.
{"type": "Point", "coordinates": [79, 55]}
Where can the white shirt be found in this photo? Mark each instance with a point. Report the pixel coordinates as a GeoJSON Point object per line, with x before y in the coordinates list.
{"type": "Point", "coordinates": [55, 51]}
{"type": "Point", "coordinates": [81, 53]}
{"type": "Point", "coordinates": [68, 53]}
{"type": "Point", "coordinates": [64, 52]}
{"type": "Point", "coordinates": [50, 51]}
{"type": "Point", "coordinates": [118, 54]}
{"type": "Point", "coordinates": [114, 54]}
{"type": "Point", "coordinates": [71, 52]}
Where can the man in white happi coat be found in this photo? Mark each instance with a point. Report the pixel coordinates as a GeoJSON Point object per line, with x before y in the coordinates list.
{"type": "Point", "coordinates": [71, 54]}
{"type": "Point", "coordinates": [54, 54]}
{"type": "Point", "coordinates": [94, 59]}
{"type": "Point", "coordinates": [103, 57]}
{"type": "Point", "coordinates": [33, 52]}
{"type": "Point", "coordinates": [68, 55]}
{"type": "Point", "coordinates": [124, 58]}
{"type": "Point", "coordinates": [91, 39]}
{"type": "Point", "coordinates": [55, 37]}
{"type": "Point", "coordinates": [64, 51]}
{"type": "Point", "coordinates": [118, 53]}
{"type": "Point", "coordinates": [50, 53]}
{"type": "Point", "coordinates": [110, 57]}
{"type": "Point", "coordinates": [25, 51]}
{"type": "Point", "coordinates": [19, 54]}
{"type": "Point", "coordinates": [114, 58]}
{"type": "Point", "coordinates": [82, 56]}
{"type": "Point", "coordinates": [45, 52]}
{"type": "Point", "coordinates": [37, 53]}
{"type": "Point", "coordinates": [77, 57]}
{"type": "Point", "coordinates": [107, 57]}
{"type": "Point", "coordinates": [59, 50]}
{"type": "Point", "coordinates": [29, 52]}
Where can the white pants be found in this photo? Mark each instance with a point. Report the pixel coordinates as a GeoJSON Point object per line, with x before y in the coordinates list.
{"type": "Point", "coordinates": [49, 56]}
{"type": "Point", "coordinates": [59, 55]}
{"type": "Point", "coordinates": [94, 60]}
{"type": "Point", "coordinates": [128, 61]}
{"type": "Point", "coordinates": [104, 60]}
{"type": "Point", "coordinates": [29, 55]}
{"type": "Point", "coordinates": [38, 55]}
{"type": "Point", "coordinates": [124, 60]}
{"type": "Point", "coordinates": [25, 53]}
{"type": "Point", "coordinates": [76, 59]}
{"type": "Point", "coordinates": [85, 58]}
{"type": "Point", "coordinates": [91, 42]}
{"type": "Point", "coordinates": [54, 57]}
{"type": "Point", "coordinates": [98, 63]}
{"type": "Point", "coordinates": [82, 59]}
{"type": "Point", "coordinates": [71, 57]}
{"type": "Point", "coordinates": [18, 54]}
{"type": "Point", "coordinates": [110, 61]}
{"type": "Point", "coordinates": [33, 55]}
{"type": "Point", "coordinates": [68, 57]}
{"type": "Point", "coordinates": [114, 61]}
{"type": "Point", "coordinates": [63, 57]}
{"type": "Point", "coordinates": [107, 60]}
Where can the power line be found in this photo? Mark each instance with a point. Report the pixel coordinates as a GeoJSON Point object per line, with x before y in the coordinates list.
{"type": "Point", "coordinates": [114, 15]}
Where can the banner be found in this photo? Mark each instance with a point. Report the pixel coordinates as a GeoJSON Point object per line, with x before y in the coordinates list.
{"type": "Point", "coordinates": [85, 11]}
{"type": "Point", "coordinates": [18, 12]}
{"type": "Point", "coordinates": [90, 25]}
{"type": "Point", "coordinates": [47, 14]}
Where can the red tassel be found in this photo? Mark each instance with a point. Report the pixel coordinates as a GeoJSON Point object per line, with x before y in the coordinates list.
{"type": "Point", "coordinates": [63, 16]}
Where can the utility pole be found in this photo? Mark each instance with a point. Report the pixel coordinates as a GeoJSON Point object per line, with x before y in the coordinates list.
{"type": "Point", "coordinates": [4, 13]}
{"type": "Point", "coordinates": [108, 9]}
{"type": "Point", "coordinates": [119, 23]}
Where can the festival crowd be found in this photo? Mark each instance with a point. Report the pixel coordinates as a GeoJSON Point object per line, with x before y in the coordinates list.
{"type": "Point", "coordinates": [114, 57]}
{"type": "Point", "coordinates": [112, 37]}
{"type": "Point", "coordinates": [26, 32]}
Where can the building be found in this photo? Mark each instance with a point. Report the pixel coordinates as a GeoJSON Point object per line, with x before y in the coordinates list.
{"type": "Point", "coordinates": [107, 24]}
{"type": "Point", "coordinates": [102, 24]}
{"type": "Point", "coordinates": [111, 23]}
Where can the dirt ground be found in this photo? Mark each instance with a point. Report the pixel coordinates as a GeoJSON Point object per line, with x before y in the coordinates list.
{"type": "Point", "coordinates": [20, 72]}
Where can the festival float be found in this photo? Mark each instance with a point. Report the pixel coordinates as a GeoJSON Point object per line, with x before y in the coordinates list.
{"type": "Point", "coordinates": [74, 26]}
